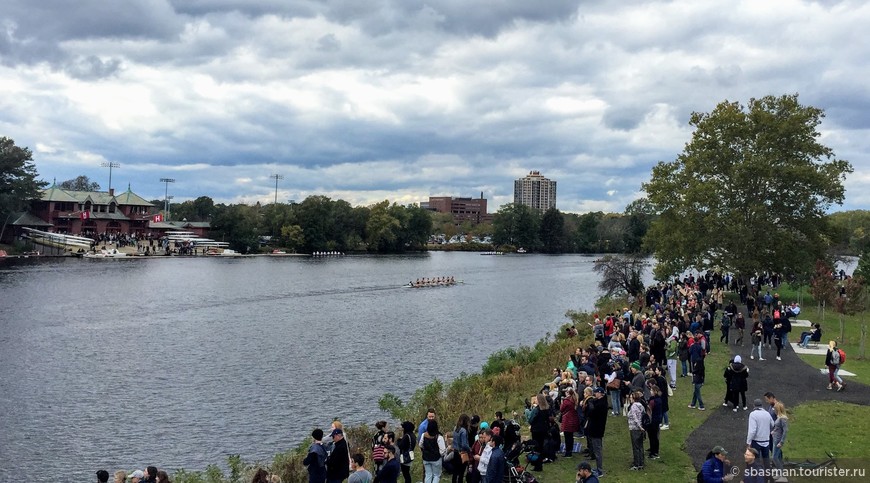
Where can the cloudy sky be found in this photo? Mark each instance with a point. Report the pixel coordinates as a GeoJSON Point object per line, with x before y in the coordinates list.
{"type": "Point", "coordinates": [403, 99]}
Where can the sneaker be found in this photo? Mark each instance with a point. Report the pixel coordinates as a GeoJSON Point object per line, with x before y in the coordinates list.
{"type": "Point", "coordinates": [702, 409]}
{"type": "Point", "coordinates": [760, 359]}
{"type": "Point", "coordinates": [840, 387]}
{"type": "Point", "coordinates": [654, 457]}
{"type": "Point", "coordinates": [735, 410]}
{"type": "Point", "coordinates": [830, 387]}
{"type": "Point", "coordinates": [778, 358]}
{"type": "Point", "coordinates": [752, 358]}
{"type": "Point", "coordinates": [665, 427]}
{"type": "Point", "coordinates": [744, 408]}
{"type": "Point", "coordinates": [724, 404]}
{"type": "Point", "coordinates": [598, 473]}
{"type": "Point", "coordinates": [693, 407]}
{"type": "Point", "coordinates": [636, 468]}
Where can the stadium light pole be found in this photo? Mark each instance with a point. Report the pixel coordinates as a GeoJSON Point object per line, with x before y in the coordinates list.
{"type": "Point", "coordinates": [110, 166]}
{"type": "Point", "coordinates": [166, 195]}
{"type": "Point", "coordinates": [277, 177]}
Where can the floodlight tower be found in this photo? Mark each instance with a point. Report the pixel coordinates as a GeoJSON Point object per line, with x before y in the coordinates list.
{"type": "Point", "coordinates": [110, 166]}
{"type": "Point", "coordinates": [166, 195]}
{"type": "Point", "coordinates": [277, 177]}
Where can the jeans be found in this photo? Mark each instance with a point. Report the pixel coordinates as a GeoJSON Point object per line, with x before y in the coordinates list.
{"type": "Point", "coordinates": [597, 448]}
{"type": "Point", "coordinates": [833, 374]}
{"type": "Point", "coordinates": [777, 457]}
{"type": "Point", "coordinates": [805, 339]}
{"type": "Point", "coordinates": [685, 367]}
{"type": "Point", "coordinates": [615, 402]}
{"type": "Point", "coordinates": [763, 452]}
{"type": "Point", "coordinates": [672, 370]}
{"type": "Point", "coordinates": [433, 471]}
{"type": "Point", "coordinates": [665, 419]}
{"type": "Point", "coordinates": [696, 396]}
{"type": "Point", "coordinates": [637, 447]}
{"type": "Point", "coordinates": [752, 350]}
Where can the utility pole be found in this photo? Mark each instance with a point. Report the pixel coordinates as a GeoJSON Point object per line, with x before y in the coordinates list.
{"type": "Point", "coordinates": [277, 177]}
{"type": "Point", "coordinates": [110, 166]}
{"type": "Point", "coordinates": [166, 195]}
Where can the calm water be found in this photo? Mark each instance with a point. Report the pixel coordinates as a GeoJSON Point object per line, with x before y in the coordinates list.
{"type": "Point", "coordinates": [120, 364]}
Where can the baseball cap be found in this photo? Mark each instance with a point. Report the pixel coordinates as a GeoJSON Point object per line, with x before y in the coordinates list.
{"type": "Point", "coordinates": [599, 390]}
{"type": "Point", "coordinates": [719, 450]}
{"type": "Point", "coordinates": [336, 432]}
{"type": "Point", "coordinates": [136, 474]}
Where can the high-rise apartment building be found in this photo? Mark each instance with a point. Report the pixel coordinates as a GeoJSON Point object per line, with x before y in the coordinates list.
{"type": "Point", "coordinates": [535, 191]}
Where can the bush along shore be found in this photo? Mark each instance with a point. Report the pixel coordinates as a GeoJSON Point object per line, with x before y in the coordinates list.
{"type": "Point", "coordinates": [508, 377]}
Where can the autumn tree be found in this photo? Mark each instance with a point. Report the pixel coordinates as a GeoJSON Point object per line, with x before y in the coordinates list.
{"type": "Point", "coordinates": [749, 192]}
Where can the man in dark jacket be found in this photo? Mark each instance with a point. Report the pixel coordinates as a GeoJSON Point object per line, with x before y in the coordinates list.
{"type": "Point", "coordinates": [338, 463]}
{"type": "Point", "coordinates": [497, 462]}
{"type": "Point", "coordinates": [633, 350]}
{"type": "Point", "coordinates": [596, 425]}
{"type": "Point", "coordinates": [315, 460]}
{"type": "Point", "coordinates": [735, 381]}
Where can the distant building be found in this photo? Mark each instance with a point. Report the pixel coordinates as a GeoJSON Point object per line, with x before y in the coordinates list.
{"type": "Point", "coordinates": [462, 209]}
{"type": "Point", "coordinates": [535, 191]}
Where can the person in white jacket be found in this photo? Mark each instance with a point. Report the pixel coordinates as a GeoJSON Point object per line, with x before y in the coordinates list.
{"type": "Point", "coordinates": [484, 438]}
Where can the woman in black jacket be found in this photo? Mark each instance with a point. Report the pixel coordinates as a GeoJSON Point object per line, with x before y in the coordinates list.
{"type": "Point", "coordinates": [406, 445]}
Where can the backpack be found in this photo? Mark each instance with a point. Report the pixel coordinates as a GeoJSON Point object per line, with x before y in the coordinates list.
{"type": "Point", "coordinates": [842, 354]}
{"type": "Point", "coordinates": [726, 321]}
{"type": "Point", "coordinates": [645, 416]}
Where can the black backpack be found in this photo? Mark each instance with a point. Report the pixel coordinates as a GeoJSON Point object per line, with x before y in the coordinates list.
{"type": "Point", "coordinates": [645, 418]}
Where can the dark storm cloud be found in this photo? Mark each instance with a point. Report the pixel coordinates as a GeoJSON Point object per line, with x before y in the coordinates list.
{"type": "Point", "coordinates": [34, 31]}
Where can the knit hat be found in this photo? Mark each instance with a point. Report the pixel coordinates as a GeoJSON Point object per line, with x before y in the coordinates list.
{"type": "Point", "coordinates": [738, 359]}
{"type": "Point", "coordinates": [635, 365]}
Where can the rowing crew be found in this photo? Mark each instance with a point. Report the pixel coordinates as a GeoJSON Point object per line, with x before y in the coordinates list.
{"type": "Point", "coordinates": [432, 282]}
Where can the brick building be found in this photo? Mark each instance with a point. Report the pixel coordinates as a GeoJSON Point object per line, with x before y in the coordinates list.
{"type": "Point", "coordinates": [462, 209]}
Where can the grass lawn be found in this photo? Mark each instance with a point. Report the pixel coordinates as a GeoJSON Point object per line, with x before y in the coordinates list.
{"type": "Point", "coordinates": [831, 331]}
{"type": "Point", "coordinates": [675, 464]}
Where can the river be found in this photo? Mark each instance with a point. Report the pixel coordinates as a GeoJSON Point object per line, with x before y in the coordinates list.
{"type": "Point", "coordinates": [119, 364]}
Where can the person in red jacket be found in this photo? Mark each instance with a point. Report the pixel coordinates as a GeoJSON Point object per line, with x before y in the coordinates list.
{"type": "Point", "coordinates": [570, 419]}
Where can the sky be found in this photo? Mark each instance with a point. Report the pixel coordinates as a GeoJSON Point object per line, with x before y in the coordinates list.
{"type": "Point", "coordinates": [404, 99]}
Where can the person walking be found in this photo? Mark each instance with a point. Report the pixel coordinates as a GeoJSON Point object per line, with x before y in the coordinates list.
{"type": "Point", "coordinates": [736, 375]}
{"type": "Point", "coordinates": [698, 381]}
{"type": "Point", "coordinates": [757, 340]}
{"type": "Point", "coordinates": [636, 430]}
{"type": "Point", "coordinates": [833, 361]}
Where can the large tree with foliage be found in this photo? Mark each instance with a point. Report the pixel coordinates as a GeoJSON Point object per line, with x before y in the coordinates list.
{"type": "Point", "coordinates": [18, 183]}
{"type": "Point", "coordinates": [552, 234]}
{"type": "Point", "coordinates": [748, 192]}
{"type": "Point", "coordinates": [80, 183]}
{"type": "Point", "coordinates": [517, 225]}
{"type": "Point", "coordinates": [620, 274]}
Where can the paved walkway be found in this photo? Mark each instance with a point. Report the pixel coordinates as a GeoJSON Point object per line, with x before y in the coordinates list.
{"type": "Point", "coordinates": [792, 380]}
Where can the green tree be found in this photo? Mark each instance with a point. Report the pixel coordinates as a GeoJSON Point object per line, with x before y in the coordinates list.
{"type": "Point", "coordinates": [293, 237]}
{"type": "Point", "coordinates": [586, 234]}
{"type": "Point", "coordinates": [18, 183]}
{"type": "Point", "coordinates": [749, 191]}
{"type": "Point", "coordinates": [863, 268]}
{"type": "Point", "coordinates": [552, 233]}
{"type": "Point", "coordinates": [80, 183]}
{"type": "Point", "coordinates": [419, 226]}
{"type": "Point", "coordinates": [822, 286]}
{"type": "Point", "coordinates": [239, 225]}
{"type": "Point", "coordinates": [382, 227]}
{"type": "Point", "coordinates": [517, 225]}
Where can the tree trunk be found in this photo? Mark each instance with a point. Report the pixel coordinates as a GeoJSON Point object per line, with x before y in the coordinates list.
{"type": "Point", "coordinates": [842, 330]}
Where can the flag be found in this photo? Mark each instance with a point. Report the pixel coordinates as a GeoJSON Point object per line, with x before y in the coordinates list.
{"type": "Point", "coordinates": [157, 218]}
{"type": "Point", "coordinates": [86, 215]}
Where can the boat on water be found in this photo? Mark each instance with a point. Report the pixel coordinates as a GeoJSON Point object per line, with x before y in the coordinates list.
{"type": "Point", "coordinates": [492, 253]}
{"type": "Point", "coordinates": [433, 282]}
{"type": "Point", "coordinates": [327, 254]}
{"type": "Point", "coordinates": [113, 253]}
{"type": "Point", "coordinates": [521, 250]}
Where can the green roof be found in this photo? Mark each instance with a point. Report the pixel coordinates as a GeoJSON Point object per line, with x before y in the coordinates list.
{"type": "Point", "coordinates": [26, 219]}
{"type": "Point", "coordinates": [54, 193]}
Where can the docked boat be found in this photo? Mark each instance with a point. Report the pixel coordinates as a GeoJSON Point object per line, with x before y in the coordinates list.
{"type": "Point", "coordinates": [113, 253]}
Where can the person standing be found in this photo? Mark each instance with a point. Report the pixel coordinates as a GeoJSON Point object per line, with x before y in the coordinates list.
{"type": "Point", "coordinates": [497, 462]}
{"type": "Point", "coordinates": [713, 470]}
{"type": "Point", "coordinates": [481, 451]}
{"type": "Point", "coordinates": [338, 462]}
{"type": "Point", "coordinates": [570, 420]}
{"type": "Point", "coordinates": [407, 444]}
{"type": "Point", "coordinates": [758, 433]}
{"type": "Point", "coordinates": [461, 448]}
{"type": "Point", "coordinates": [315, 460]}
{"type": "Point", "coordinates": [779, 433]}
{"type": "Point", "coordinates": [754, 471]}
{"type": "Point", "coordinates": [636, 430]}
{"type": "Point", "coordinates": [390, 471]}
{"type": "Point", "coordinates": [698, 382]}
{"type": "Point", "coordinates": [656, 411]}
{"type": "Point", "coordinates": [596, 425]}
{"type": "Point", "coordinates": [538, 417]}
{"type": "Point", "coordinates": [432, 448]}
{"type": "Point", "coordinates": [360, 473]}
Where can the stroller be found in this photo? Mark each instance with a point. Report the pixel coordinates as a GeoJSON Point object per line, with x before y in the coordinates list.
{"type": "Point", "coordinates": [517, 473]}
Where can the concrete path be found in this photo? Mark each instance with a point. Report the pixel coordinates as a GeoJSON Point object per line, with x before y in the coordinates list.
{"type": "Point", "coordinates": [819, 350]}
{"type": "Point", "coordinates": [792, 380]}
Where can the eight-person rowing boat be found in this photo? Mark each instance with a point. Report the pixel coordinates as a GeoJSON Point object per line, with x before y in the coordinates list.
{"type": "Point", "coordinates": [433, 282]}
